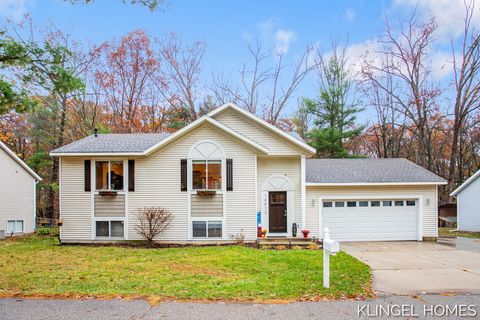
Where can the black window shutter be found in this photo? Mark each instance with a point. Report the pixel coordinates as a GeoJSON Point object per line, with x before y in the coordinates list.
{"type": "Point", "coordinates": [131, 175]}
{"type": "Point", "coordinates": [229, 174]}
{"type": "Point", "coordinates": [183, 174]}
{"type": "Point", "coordinates": [88, 175]}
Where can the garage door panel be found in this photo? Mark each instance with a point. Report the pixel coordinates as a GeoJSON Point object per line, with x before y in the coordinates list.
{"type": "Point", "coordinates": [371, 223]}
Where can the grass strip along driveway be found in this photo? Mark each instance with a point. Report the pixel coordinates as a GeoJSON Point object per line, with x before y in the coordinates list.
{"type": "Point", "coordinates": [39, 266]}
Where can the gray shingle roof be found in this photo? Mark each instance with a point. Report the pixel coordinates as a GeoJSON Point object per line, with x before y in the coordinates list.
{"type": "Point", "coordinates": [107, 143]}
{"type": "Point", "coordinates": [367, 170]}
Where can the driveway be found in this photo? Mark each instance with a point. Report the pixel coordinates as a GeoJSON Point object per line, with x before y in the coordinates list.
{"type": "Point", "coordinates": [418, 267]}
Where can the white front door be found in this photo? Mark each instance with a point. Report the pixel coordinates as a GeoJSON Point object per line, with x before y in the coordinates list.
{"type": "Point", "coordinates": [371, 220]}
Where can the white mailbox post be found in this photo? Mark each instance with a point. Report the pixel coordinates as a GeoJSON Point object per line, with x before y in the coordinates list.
{"type": "Point", "coordinates": [330, 247]}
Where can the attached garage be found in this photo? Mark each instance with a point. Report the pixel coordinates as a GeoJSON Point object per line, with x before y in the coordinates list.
{"type": "Point", "coordinates": [371, 199]}
{"type": "Point", "coordinates": [371, 220]}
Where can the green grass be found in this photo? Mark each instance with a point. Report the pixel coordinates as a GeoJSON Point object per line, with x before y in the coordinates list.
{"type": "Point", "coordinates": [39, 266]}
{"type": "Point", "coordinates": [451, 233]}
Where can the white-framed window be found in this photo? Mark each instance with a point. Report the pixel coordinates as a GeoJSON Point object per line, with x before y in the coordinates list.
{"type": "Point", "coordinates": [109, 175]}
{"type": "Point", "coordinates": [110, 228]}
{"type": "Point", "coordinates": [14, 226]}
{"type": "Point", "coordinates": [206, 174]}
{"type": "Point", "coordinates": [207, 228]}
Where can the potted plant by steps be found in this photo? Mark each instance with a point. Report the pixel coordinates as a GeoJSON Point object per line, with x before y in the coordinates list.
{"type": "Point", "coordinates": [264, 233]}
{"type": "Point", "coordinates": [305, 233]}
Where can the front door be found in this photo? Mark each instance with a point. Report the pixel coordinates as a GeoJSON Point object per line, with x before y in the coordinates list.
{"type": "Point", "coordinates": [277, 220]}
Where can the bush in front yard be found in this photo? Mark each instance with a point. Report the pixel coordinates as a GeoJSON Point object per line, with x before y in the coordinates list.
{"type": "Point", "coordinates": [151, 222]}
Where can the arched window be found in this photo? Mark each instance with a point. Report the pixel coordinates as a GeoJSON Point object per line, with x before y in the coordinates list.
{"type": "Point", "coordinates": [207, 159]}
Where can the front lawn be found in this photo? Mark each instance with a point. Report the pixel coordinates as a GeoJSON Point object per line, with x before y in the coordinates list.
{"type": "Point", "coordinates": [451, 233]}
{"type": "Point", "coordinates": [39, 266]}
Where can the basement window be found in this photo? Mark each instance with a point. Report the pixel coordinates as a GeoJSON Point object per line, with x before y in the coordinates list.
{"type": "Point", "coordinates": [109, 229]}
{"type": "Point", "coordinates": [14, 226]}
{"type": "Point", "coordinates": [207, 229]}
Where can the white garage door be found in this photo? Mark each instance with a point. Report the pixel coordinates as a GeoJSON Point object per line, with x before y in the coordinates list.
{"type": "Point", "coordinates": [371, 220]}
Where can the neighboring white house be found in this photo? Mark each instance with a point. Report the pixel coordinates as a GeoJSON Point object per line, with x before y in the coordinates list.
{"type": "Point", "coordinates": [17, 193]}
{"type": "Point", "coordinates": [255, 175]}
{"type": "Point", "coordinates": [468, 204]}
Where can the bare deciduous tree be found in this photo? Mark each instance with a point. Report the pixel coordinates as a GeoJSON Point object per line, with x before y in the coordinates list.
{"type": "Point", "coordinates": [151, 222]}
{"type": "Point", "coordinates": [466, 73]}
{"type": "Point", "coordinates": [263, 91]}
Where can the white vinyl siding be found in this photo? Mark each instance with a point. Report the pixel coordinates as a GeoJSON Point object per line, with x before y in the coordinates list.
{"type": "Point", "coordinates": [468, 202]}
{"type": "Point", "coordinates": [75, 203]}
{"type": "Point", "coordinates": [17, 196]}
{"type": "Point", "coordinates": [289, 167]}
{"type": "Point", "coordinates": [207, 206]}
{"type": "Point", "coordinates": [157, 183]}
{"type": "Point", "coordinates": [427, 192]}
{"type": "Point", "coordinates": [106, 206]}
{"type": "Point", "coordinates": [248, 128]}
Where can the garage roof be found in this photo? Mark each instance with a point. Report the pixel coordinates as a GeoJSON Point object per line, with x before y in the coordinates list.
{"type": "Point", "coordinates": [368, 171]}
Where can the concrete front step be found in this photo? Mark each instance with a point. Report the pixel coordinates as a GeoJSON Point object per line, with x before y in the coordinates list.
{"type": "Point", "coordinates": [286, 242]}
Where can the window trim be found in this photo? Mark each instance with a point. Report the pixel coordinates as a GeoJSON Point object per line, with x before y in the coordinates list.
{"type": "Point", "coordinates": [109, 173]}
{"type": "Point", "coordinates": [109, 219]}
{"type": "Point", "coordinates": [207, 220]}
{"type": "Point", "coordinates": [15, 226]}
{"type": "Point", "coordinates": [221, 161]}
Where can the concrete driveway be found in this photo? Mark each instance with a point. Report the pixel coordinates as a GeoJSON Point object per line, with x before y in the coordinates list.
{"type": "Point", "coordinates": [418, 267]}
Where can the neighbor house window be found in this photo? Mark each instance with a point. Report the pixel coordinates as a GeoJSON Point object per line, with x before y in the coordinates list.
{"type": "Point", "coordinates": [109, 175]}
{"type": "Point", "coordinates": [207, 229]}
{"type": "Point", "coordinates": [109, 229]}
{"type": "Point", "coordinates": [207, 174]}
{"type": "Point", "coordinates": [14, 226]}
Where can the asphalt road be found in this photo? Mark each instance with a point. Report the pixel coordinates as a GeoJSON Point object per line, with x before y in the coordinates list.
{"type": "Point", "coordinates": [417, 307]}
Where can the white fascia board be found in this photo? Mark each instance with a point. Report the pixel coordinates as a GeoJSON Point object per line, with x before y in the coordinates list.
{"type": "Point", "coordinates": [265, 124]}
{"type": "Point", "coordinates": [97, 154]}
{"type": "Point", "coordinates": [177, 134]}
{"type": "Point", "coordinates": [200, 121]}
{"type": "Point", "coordinates": [347, 184]}
{"type": "Point", "coordinates": [20, 161]}
{"type": "Point", "coordinates": [465, 184]}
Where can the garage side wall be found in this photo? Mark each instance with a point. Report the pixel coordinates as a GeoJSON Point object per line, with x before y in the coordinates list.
{"type": "Point", "coordinates": [427, 192]}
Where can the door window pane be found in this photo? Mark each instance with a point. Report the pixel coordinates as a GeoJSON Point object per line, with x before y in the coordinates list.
{"type": "Point", "coordinates": [116, 175]}
{"type": "Point", "coordinates": [101, 171]}
{"type": "Point", "coordinates": [351, 203]}
{"type": "Point", "coordinates": [410, 203]}
{"type": "Point", "coordinates": [199, 175]}
{"type": "Point", "coordinates": [102, 228]}
{"type": "Point", "coordinates": [398, 203]}
{"type": "Point", "coordinates": [339, 204]}
{"type": "Point", "coordinates": [200, 229]}
{"type": "Point", "coordinates": [214, 174]}
{"type": "Point", "coordinates": [375, 203]}
{"type": "Point", "coordinates": [327, 204]}
{"type": "Point", "coordinates": [363, 203]}
{"type": "Point", "coordinates": [387, 203]}
{"type": "Point", "coordinates": [117, 228]}
{"type": "Point", "coordinates": [214, 229]}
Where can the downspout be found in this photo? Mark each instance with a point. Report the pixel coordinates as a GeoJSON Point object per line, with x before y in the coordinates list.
{"type": "Point", "coordinates": [35, 181]}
